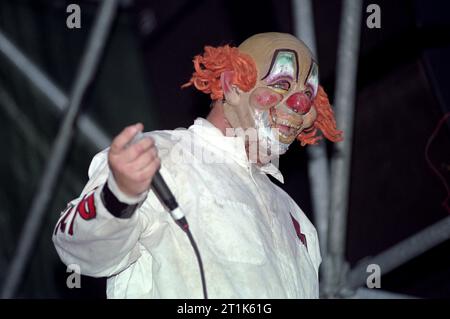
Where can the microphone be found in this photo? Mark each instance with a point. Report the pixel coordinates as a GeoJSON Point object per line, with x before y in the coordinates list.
{"type": "Point", "coordinates": [165, 195]}
{"type": "Point", "coordinates": [163, 192]}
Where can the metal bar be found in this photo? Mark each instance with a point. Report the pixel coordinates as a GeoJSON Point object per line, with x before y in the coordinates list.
{"type": "Point", "coordinates": [85, 74]}
{"type": "Point", "coordinates": [26, 128]}
{"type": "Point", "coordinates": [347, 61]}
{"type": "Point", "coordinates": [304, 23]}
{"type": "Point", "coordinates": [51, 91]}
{"type": "Point", "coordinates": [401, 252]}
{"type": "Point", "coordinates": [318, 170]}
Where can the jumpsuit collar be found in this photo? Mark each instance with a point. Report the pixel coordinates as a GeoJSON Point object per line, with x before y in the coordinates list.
{"type": "Point", "coordinates": [230, 146]}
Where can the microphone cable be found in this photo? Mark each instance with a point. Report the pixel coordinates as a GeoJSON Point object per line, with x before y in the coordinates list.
{"type": "Point", "coordinates": [164, 194]}
{"type": "Point", "coordinates": [185, 226]}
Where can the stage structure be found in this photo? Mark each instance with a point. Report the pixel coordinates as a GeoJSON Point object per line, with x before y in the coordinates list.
{"type": "Point", "coordinates": [329, 180]}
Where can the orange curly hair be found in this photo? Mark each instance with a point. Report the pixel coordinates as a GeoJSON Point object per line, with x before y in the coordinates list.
{"type": "Point", "coordinates": [325, 122]}
{"type": "Point", "coordinates": [213, 62]}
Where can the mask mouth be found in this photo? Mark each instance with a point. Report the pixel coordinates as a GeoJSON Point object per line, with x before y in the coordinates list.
{"type": "Point", "coordinates": [286, 129]}
{"type": "Point", "coordinates": [268, 135]}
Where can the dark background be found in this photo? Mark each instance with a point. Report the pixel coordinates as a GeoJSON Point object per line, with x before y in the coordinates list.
{"type": "Point", "coordinates": [402, 92]}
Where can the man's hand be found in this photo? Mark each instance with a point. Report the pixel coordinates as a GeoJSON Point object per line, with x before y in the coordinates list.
{"type": "Point", "coordinates": [133, 166]}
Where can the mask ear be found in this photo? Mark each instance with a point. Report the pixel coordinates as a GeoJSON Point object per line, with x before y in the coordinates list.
{"type": "Point", "coordinates": [231, 92]}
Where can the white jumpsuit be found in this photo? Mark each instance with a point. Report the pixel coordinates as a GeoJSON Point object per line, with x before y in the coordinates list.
{"type": "Point", "coordinates": [243, 225]}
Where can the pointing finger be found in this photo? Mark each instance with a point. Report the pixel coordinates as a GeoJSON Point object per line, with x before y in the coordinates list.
{"type": "Point", "coordinates": [125, 136]}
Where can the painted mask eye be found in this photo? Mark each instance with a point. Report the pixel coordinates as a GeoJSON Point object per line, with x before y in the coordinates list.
{"type": "Point", "coordinates": [309, 93]}
{"type": "Point", "coordinates": [281, 86]}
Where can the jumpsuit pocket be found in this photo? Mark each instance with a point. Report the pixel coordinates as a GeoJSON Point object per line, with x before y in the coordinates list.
{"type": "Point", "coordinates": [231, 230]}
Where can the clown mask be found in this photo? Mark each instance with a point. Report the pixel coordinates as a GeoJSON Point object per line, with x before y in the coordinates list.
{"type": "Point", "coordinates": [270, 84]}
{"type": "Point", "coordinates": [280, 105]}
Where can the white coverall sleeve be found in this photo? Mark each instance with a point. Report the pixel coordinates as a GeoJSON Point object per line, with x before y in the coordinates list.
{"type": "Point", "coordinates": [88, 235]}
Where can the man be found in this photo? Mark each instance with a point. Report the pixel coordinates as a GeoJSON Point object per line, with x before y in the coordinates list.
{"type": "Point", "coordinates": [255, 242]}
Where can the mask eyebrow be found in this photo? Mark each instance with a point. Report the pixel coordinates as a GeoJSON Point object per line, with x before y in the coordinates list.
{"type": "Point", "coordinates": [275, 57]}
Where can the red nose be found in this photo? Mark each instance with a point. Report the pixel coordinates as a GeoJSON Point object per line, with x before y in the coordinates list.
{"type": "Point", "coordinates": [299, 103]}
